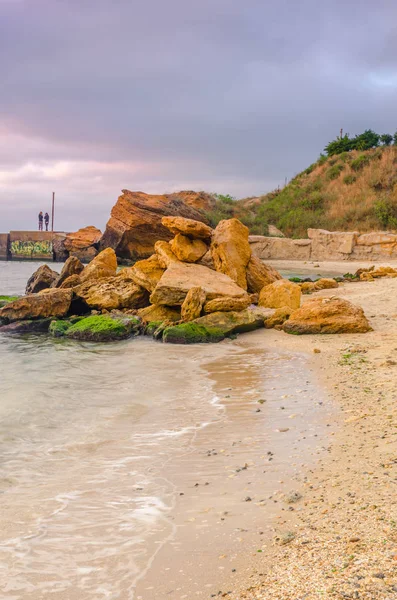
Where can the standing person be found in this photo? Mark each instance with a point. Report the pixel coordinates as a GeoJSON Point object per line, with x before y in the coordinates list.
{"type": "Point", "coordinates": [40, 221]}
{"type": "Point", "coordinates": [46, 220]}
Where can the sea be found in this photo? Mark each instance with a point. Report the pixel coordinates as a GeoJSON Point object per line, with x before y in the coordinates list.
{"type": "Point", "coordinates": [138, 470]}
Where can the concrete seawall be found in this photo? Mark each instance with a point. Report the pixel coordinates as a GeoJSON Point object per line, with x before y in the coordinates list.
{"type": "Point", "coordinates": [30, 245]}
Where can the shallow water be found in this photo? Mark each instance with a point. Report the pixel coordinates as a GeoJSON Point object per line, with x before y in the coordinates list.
{"type": "Point", "coordinates": [122, 465]}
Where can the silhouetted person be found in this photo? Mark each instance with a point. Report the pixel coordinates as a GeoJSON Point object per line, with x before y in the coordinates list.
{"type": "Point", "coordinates": [40, 221]}
{"type": "Point", "coordinates": [46, 220]}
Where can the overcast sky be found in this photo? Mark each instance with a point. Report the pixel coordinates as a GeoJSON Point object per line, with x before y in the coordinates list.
{"type": "Point", "coordinates": [226, 96]}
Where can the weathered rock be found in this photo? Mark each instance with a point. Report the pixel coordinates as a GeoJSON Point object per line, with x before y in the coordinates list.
{"type": "Point", "coordinates": [214, 327]}
{"type": "Point", "coordinates": [7, 299]}
{"type": "Point", "coordinates": [41, 279]}
{"type": "Point", "coordinates": [29, 326]}
{"type": "Point", "coordinates": [198, 200]}
{"type": "Point", "coordinates": [103, 265]}
{"type": "Point", "coordinates": [259, 274]}
{"type": "Point", "coordinates": [83, 243]}
{"type": "Point", "coordinates": [135, 222]}
{"type": "Point", "coordinates": [188, 227]}
{"type": "Point", "coordinates": [377, 273]}
{"type": "Point", "coordinates": [71, 282]}
{"type": "Point", "coordinates": [104, 328]}
{"type": "Point", "coordinates": [112, 293]}
{"type": "Point", "coordinates": [332, 245]}
{"type": "Point", "coordinates": [193, 304]}
{"type": "Point", "coordinates": [188, 250]}
{"type": "Point", "coordinates": [58, 247]}
{"type": "Point", "coordinates": [157, 313]}
{"type": "Point", "coordinates": [164, 253]}
{"type": "Point", "coordinates": [179, 278]}
{"type": "Point", "coordinates": [227, 304]}
{"type": "Point", "coordinates": [73, 266]}
{"type": "Point", "coordinates": [231, 251]}
{"type": "Point", "coordinates": [274, 232]}
{"type": "Point", "coordinates": [280, 248]}
{"type": "Point", "coordinates": [279, 294]}
{"type": "Point", "coordinates": [207, 260]}
{"type": "Point", "coordinates": [48, 303]}
{"type": "Point", "coordinates": [146, 273]}
{"type": "Point", "coordinates": [278, 318]}
{"type": "Point", "coordinates": [308, 287]}
{"type": "Point", "coordinates": [327, 315]}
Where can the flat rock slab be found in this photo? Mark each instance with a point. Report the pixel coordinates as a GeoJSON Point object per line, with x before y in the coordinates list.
{"type": "Point", "coordinates": [179, 278]}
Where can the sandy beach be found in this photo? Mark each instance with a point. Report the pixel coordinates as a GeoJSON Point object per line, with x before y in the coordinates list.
{"type": "Point", "coordinates": [339, 540]}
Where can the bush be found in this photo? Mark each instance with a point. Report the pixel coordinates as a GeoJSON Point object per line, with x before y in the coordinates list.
{"type": "Point", "coordinates": [334, 172]}
{"type": "Point", "coordinates": [314, 201]}
{"type": "Point", "coordinates": [360, 162]}
{"type": "Point", "coordinates": [386, 212]}
{"type": "Point", "coordinates": [349, 179]}
{"type": "Point", "coordinates": [345, 157]}
{"type": "Point", "coordinates": [323, 159]}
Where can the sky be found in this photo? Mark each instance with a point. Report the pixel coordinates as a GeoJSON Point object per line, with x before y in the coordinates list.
{"type": "Point", "coordinates": [226, 96]}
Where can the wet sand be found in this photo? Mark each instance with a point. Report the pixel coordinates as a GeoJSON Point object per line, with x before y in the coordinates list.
{"type": "Point", "coordinates": [345, 525]}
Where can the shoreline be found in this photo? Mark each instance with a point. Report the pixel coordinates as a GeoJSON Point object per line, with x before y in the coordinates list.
{"type": "Point", "coordinates": [346, 522]}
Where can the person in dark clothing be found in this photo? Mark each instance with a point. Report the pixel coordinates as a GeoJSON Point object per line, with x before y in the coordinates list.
{"type": "Point", "coordinates": [40, 221]}
{"type": "Point", "coordinates": [46, 220]}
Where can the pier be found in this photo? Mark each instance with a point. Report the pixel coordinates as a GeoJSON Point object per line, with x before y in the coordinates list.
{"type": "Point", "coordinates": [30, 245]}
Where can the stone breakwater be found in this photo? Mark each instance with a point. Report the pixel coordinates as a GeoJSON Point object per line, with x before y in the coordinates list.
{"type": "Point", "coordinates": [327, 245]}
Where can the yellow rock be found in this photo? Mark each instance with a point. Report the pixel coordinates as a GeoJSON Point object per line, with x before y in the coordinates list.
{"type": "Point", "coordinates": [280, 294]}
{"type": "Point", "coordinates": [188, 250]}
{"type": "Point", "coordinates": [190, 227]}
{"type": "Point", "coordinates": [48, 303]}
{"type": "Point", "coordinates": [193, 304]}
{"type": "Point", "coordinates": [159, 313]}
{"type": "Point", "coordinates": [165, 254]}
{"type": "Point", "coordinates": [231, 251]}
{"type": "Point", "coordinates": [227, 303]}
{"type": "Point", "coordinates": [111, 293]}
{"type": "Point", "coordinates": [146, 273]}
{"type": "Point", "coordinates": [259, 274]}
{"type": "Point", "coordinates": [103, 265]}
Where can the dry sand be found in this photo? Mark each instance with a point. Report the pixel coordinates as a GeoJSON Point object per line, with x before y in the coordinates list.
{"type": "Point", "coordinates": [340, 539]}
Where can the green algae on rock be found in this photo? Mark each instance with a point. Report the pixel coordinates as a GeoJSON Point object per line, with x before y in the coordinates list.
{"type": "Point", "coordinates": [104, 328]}
{"type": "Point", "coordinates": [214, 327]}
{"type": "Point", "coordinates": [7, 299]}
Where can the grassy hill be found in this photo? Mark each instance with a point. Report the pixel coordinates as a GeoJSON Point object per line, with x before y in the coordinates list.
{"type": "Point", "coordinates": [354, 190]}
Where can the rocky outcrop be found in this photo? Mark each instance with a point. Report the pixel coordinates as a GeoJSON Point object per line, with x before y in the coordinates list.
{"type": "Point", "coordinates": [157, 313]}
{"type": "Point", "coordinates": [48, 303]}
{"type": "Point", "coordinates": [199, 200]}
{"type": "Point", "coordinates": [70, 282]}
{"type": "Point", "coordinates": [179, 278]}
{"type": "Point", "coordinates": [103, 265]}
{"type": "Point", "coordinates": [231, 251]}
{"type": "Point", "coordinates": [73, 266]}
{"type": "Point", "coordinates": [259, 274]}
{"type": "Point", "coordinates": [112, 293]}
{"type": "Point", "coordinates": [308, 287]}
{"type": "Point", "coordinates": [267, 248]}
{"type": "Point", "coordinates": [214, 327]}
{"type": "Point", "coordinates": [279, 294]}
{"type": "Point", "coordinates": [189, 227]}
{"type": "Point", "coordinates": [135, 222]}
{"type": "Point", "coordinates": [193, 304]}
{"type": "Point", "coordinates": [227, 304]}
{"type": "Point", "coordinates": [83, 243]}
{"type": "Point", "coordinates": [188, 250]}
{"type": "Point", "coordinates": [327, 315]}
{"type": "Point", "coordinates": [164, 253]}
{"type": "Point", "coordinates": [41, 279]}
{"type": "Point", "coordinates": [146, 273]}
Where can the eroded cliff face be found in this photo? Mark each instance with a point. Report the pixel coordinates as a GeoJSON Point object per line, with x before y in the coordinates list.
{"type": "Point", "coordinates": [135, 222]}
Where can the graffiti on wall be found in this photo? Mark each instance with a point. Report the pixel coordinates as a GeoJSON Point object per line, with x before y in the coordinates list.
{"type": "Point", "coordinates": [31, 249]}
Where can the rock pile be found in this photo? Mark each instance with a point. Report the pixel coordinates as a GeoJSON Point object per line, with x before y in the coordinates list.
{"type": "Point", "coordinates": [200, 286]}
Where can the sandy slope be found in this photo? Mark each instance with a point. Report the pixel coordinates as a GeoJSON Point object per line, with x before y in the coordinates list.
{"type": "Point", "coordinates": [345, 525]}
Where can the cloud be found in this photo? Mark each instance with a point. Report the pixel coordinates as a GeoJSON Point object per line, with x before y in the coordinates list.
{"type": "Point", "coordinates": [100, 95]}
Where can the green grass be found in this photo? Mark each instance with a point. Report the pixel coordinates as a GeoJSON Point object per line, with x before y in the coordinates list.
{"type": "Point", "coordinates": [101, 328]}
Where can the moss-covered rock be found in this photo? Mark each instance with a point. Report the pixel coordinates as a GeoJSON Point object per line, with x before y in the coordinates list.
{"type": "Point", "coordinates": [214, 327]}
{"type": "Point", "coordinates": [58, 328]}
{"type": "Point", "coordinates": [6, 299]}
{"type": "Point", "coordinates": [104, 328]}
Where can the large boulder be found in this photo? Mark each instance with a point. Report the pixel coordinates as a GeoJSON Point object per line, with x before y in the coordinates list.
{"type": "Point", "coordinates": [193, 304]}
{"type": "Point", "coordinates": [112, 293]}
{"type": "Point", "coordinates": [70, 282]}
{"type": "Point", "coordinates": [146, 273]}
{"type": "Point", "coordinates": [231, 251]}
{"type": "Point", "coordinates": [214, 327]}
{"type": "Point", "coordinates": [179, 278]}
{"type": "Point", "coordinates": [31, 326]}
{"type": "Point", "coordinates": [103, 265]}
{"type": "Point", "coordinates": [48, 303]}
{"type": "Point", "coordinates": [279, 294]}
{"type": "Point", "coordinates": [259, 275]}
{"type": "Point", "coordinates": [73, 266]}
{"type": "Point", "coordinates": [327, 315]}
{"type": "Point", "coordinates": [227, 304]}
{"type": "Point", "coordinates": [83, 243]}
{"type": "Point", "coordinates": [41, 279]}
{"type": "Point", "coordinates": [308, 287]}
{"type": "Point", "coordinates": [188, 250]}
{"type": "Point", "coordinates": [199, 200]}
{"type": "Point", "coordinates": [135, 222]}
{"type": "Point", "coordinates": [157, 313]}
{"type": "Point", "coordinates": [189, 227]}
